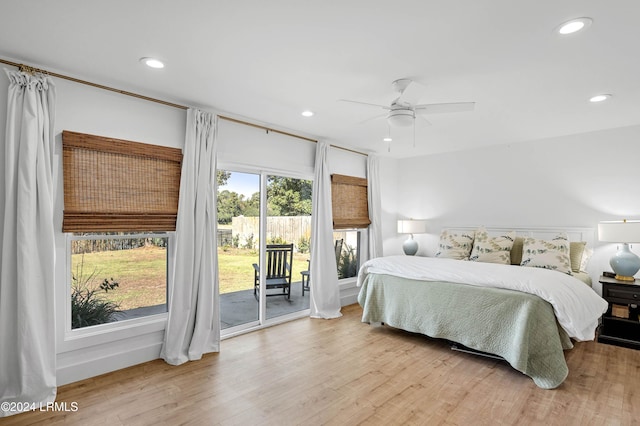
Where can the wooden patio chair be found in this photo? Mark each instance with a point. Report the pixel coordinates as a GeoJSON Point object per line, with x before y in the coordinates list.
{"type": "Point", "coordinates": [278, 270]}
{"type": "Point", "coordinates": [306, 275]}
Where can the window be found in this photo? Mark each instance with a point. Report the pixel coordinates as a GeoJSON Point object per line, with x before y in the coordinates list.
{"type": "Point", "coordinates": [112, 190]}
{"type": "Point", "coordinates": [350, 210]}
{"type": "Point", "coordinates": [117, 277]}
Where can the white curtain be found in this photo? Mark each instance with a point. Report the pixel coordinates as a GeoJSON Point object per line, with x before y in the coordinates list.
{"type": "Point", "coordinates": [325, 294]}
{"type": "Point", "coordinates": [375, 206]}
{"type": "Point", "coordinates": [193, 327]}
{"type": "Point", "coordinates": [27, 351]}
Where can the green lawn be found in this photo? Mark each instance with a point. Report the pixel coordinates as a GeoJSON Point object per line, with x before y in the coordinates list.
{"type": "Point", "coordinates": [236, 271]}
{"type": "Point", "coordinates": [141, 272]}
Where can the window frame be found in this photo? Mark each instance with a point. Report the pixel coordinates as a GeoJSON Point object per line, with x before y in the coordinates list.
{"type": "Point", "coordinates": [262, 172]}
{"type": "Point", "coordinates": [363, 248]}
{"type": "Point", "coordinates": [117, 330]}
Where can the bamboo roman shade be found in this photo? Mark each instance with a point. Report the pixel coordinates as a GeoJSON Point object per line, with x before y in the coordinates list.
{"type": "Point", "coordinates": [349, 202]}
{"type": "Point", "coordinates": [112, 185]}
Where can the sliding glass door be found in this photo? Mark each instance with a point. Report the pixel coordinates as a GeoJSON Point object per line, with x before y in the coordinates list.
{"type": "Point", "coordinates": [264, 228]}
{"type": "Point", "coordinates": [288, 228]}
{"type": "Point", "coordinates": [238, 250]}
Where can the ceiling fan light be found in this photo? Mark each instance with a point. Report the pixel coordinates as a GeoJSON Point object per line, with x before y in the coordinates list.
{"type": "Point", "coordinates": [401, 117]}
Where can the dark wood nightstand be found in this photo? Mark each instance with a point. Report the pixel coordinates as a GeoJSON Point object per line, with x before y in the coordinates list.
{"type": "Point", "coordinates": [615, 330]}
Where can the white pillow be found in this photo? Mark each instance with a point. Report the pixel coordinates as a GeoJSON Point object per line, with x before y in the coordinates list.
{"type": "Point", "coordinates": [549, 254]}
{"type": "Point", "coordinates": [455, 245]}
{"type": "Point", "coordinates": [586, 256]}
{"type": "Point", "coordinates": [492, 249]}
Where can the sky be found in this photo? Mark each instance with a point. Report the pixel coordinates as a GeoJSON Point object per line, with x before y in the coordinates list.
{"type": "Point", "coordinates": [243, 183]}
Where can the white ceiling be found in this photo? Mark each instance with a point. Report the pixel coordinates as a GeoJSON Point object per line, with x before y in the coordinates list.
{"type": "Point", "coordinates": [266, 61]}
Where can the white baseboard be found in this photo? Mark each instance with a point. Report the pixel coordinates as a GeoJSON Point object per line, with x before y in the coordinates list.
{"type": "Point", "coordinates": [348, 300]}
{"type": "Point", "coordinates": [106, 364]}
{"type": "Point", "coordinates": [349, 294]}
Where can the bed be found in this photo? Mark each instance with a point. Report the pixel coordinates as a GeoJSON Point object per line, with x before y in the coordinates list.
{"type": "Point", "coordinates": [525, 315]}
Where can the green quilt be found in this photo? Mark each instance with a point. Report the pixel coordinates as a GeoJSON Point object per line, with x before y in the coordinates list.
{"type": "Point", "coordinates": [519, 327]}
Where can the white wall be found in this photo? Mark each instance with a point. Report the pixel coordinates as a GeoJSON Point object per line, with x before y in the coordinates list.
{"type": "Point", "coordinates": [243, 145]}
{"type": "Point", "coordinates": [571, 181]}
{"type": "Point", "coordinates": [390, 196]}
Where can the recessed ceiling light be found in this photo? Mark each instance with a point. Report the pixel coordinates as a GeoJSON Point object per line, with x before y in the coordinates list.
{"type": "Point", "coordinates": [307, 113]}
{"type": "Point", "coordinates": [599, 98]}
{"type": "Point", "coordinates": [387, 140]}
{"type": "Point", "coordinates": [152, 62]}
{"type": "Point", "coordinates": [574, 26]}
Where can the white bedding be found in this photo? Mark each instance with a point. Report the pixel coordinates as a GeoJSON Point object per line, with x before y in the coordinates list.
{"type": "Point", "coordinates": [576, 306]}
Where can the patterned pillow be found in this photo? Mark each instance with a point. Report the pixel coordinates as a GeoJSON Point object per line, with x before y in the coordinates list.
{"type": "Point", "coordinates": [455, 246]}
{"type": "Point", "coordinates": [549, 254]}
{"type": "Point", "coordinates": [492, 249]}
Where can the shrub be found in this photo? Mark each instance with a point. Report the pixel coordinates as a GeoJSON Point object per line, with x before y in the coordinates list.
{"type": "Point", "coordinates": [249, 242]}
{"type": "Point", "coordinates": [303, 244]}
{"type": "Point", "coordinates": [88, 304]}
{"type": "Point", "coordinates": [277, 240]}
{"type": "Point", "coordinates": [348, 264]}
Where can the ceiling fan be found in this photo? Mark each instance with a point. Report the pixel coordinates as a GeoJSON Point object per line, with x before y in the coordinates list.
{"type": "Point", "coordinates": [402, 111]}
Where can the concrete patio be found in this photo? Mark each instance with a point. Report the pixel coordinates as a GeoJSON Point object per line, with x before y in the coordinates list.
{"type": "Point", "coordinates": [239, 307]}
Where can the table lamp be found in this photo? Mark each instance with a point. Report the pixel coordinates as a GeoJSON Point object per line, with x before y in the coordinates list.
{"type": "Point", "coordinates": [411, 227]}
{"type": "Point", "coordinates": [624, 263]}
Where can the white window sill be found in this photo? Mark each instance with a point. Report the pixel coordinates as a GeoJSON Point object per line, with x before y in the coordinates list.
{"type": "Point", "coordinates": [347, 282]}
{"type": "Point", "coordinates": [111, 332]}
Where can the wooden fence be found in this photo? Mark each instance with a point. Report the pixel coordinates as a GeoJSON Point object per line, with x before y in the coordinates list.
{"type": "Point", "coordinates": [286, 229]}
{"type": "Point", "coordinates": [98, 245]}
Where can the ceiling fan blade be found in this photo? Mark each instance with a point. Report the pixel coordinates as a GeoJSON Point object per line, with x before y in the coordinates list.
{"type": "Point", "coordinates": [364, 103]}
{"type": "Point", "coordinates": [423, 120]}
{"type": "Point", "coordinates": [446, 107]}
{"type": "Point", "coordinates": [377, 117]}
{"type": "Point", "coordinates": [411, 94]}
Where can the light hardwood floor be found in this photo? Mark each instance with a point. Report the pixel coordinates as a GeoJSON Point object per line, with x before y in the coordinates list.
{"type": "Point", "coordinates": [344, 372]}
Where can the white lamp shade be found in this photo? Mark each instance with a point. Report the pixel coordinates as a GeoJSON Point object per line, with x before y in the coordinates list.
{"type": "Point", "coordinates": [412, 226]}
{"type": "Point", "coordinates": [619, 231]}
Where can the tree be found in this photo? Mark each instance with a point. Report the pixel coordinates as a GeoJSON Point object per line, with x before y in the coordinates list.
{"type": "Point", "coordinates": [288, 196]}
{"type": "Point", "coordinates": [251, 207]}
{"type": "Point", "coordinates": [222, 177]}
{"type": "Point", "coordinates": [285, 196]}
{"type": "Point", "coordinates": [229, 205]}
